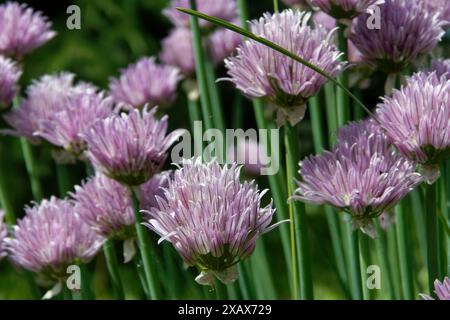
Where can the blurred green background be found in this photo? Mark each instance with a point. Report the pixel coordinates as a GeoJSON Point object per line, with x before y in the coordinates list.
{"type": "Point", "coordinates": [113, 34]}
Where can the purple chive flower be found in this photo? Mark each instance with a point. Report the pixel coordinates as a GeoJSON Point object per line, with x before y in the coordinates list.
{"type": "Point", "coordinates": [153, 188]}
{"type": "Point", "coordinates": [344, 9]}
{"type": "Point", "coordinates": [51, 237]}
{"type": "Point", "coordinates": [145, 82]}
{"type": "Point", "coordinates": [65, 128]}
{"type": "Point", "coordinates": [440, 6]}
{"type": "Point", "coordinates": [416, 119]}
{"type": "Point", "coordinates": [442, 290]}
{"type": "Point", "coordinates": [363, 175]}
{"type": "Point", "coordinates": [9, 76]}
{"type": "Point", "coordinates": [223, 9]}
{"type": "Point", "coordinates": [223, 43]}
{"type": "Point", "coordinates": [408, 30]}
{"type": "Point", "coordinates": [130, 148]}
{"type": "Point", "coordinates": [441, 67]}
{"type": "Point", "coordinates": [260, 71]}
{"type": "Point", "coordinates": [105, 205]}
{"type": "Point", "coordinates": [211, 218]}
{"type": "Point", "coordinates": [3, 235]}
{"type": "Point", "coordinates": [44, 99]}
{"type": "Point", "coordinates": [177, 50]}
{"type": "Point", "coordinates": [22, 29]}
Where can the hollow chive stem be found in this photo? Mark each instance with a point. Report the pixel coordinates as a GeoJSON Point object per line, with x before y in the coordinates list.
{"type": "Point", "coordinates": [145, 248]}
{"type": "Point", "coordinates": [112, 264]}
{"type": "Point", "coordinates": [432, 234]}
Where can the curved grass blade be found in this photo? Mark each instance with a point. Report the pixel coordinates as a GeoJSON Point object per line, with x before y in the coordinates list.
{"type": "Point", "coordinates": [275, 47]}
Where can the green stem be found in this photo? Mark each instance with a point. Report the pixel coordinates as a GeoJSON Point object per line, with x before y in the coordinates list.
{"type": "Point", "coordinates": [86, 290]}
{"type": "Point", "coordinates": [405, 253]}
{"type": "Point", "coordinates": [299, 236]}
{"type": "Point", "coordinates": [383, 257]}
{"type": "Point", "coordinates": [243, 285]}
{"type": "Point", "coordinates": [112, 264]}
{"type": "Point", "coordinates": [275, 5]}
{"type": "Point", "coordinates": [365, 261]}
{"type": "Point", "coordinates": [330, 102]}
{"type": "Point", "coordinates": [34, 289]}
{"type": "Point", "coordinates": [342, 99]}
{"type": "Point", "coordinates": [262, 271]}
{"type": "Point", "coordinates": [275, 181]}
{"type": "Point", "coordinates": [201, 69]}
{"type": "Point", "coordinates": [145, 249]}
{"type": "Point", "coordinates": [5, 202]}
{"type": "Point", "coordinates": [31, 169]}
{"type": "Point", "coordinates": [63, 176]}
{"type": "Point", "coordinates": [331, 216]}
{"type": "Point", "coordinates": [218, 119]}
{"type": "Point", "coordinates": [354, 263]}
{"type": "Point", "coordinates": [432, 235]}
{"type": "Point", "coordinates": [394, 263]}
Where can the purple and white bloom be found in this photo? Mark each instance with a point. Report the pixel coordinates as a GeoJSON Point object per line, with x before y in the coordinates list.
{"type": "Point", "coordinates": [442, 290]}
{"type": "Point", "coordinates": [223, 43]}
{"type": "Point", "coordinates": [344, 9]}
{"type": "Point", "coordinates": [363, 175]}
{"type": "Point", "coordinates": [440, 6]}
{"type": "Point", "coordinates": [153, 188]}
{"type": "Point", "coordinates": [65, 128]}
{"type": "Point", "coordinates": [441, 67]}
{"type": "Point", "coordinates": [211, 218]}
{"type": "Point", "coordinates": [130, 148]}
{"type": "Point", "coordinates": [105, 205]}
{"type": "Point", "coordinates": [22, 29]}
{"type": "Point", "coordinates": [3, 235]}
{"type": "Point", "coordinates": [9, 76]}
{"type": "Point", "coordinates": [223, 9]}
{"type": "Point", "coordinates": [416, 118]}
{"type": "Point", "coordinates": [44, 98]}
{"type": "Point", "coordinates": [261, 72]}
{"type": "Point", "coordinates": [178, 51]}
{"type": "Point", "coordinates": [145, 82]}
{"type": "Point", "coordinates": [408, 30]}
{"type": "Point", "coordinates": [50, 238]}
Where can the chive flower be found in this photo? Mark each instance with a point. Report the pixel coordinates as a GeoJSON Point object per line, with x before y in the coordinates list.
{"type": "Point", "coordinates": [178, 51]}
{"type": "Point", "coordinates": [416, 119]}
{"type": "Point", "coordinates": [442, 290]}
{"type": "Point", "coordinates": [9, 76]}
{"type": "Point", "coordinates": [145, 82]}
{"type": "Point", "coordinates": [130, 148]}
{"type": "Point", "coordinates": [363, 175]}
{"type": "Point", "coordinates": [211, 218]}
{"type": "Point", "coordinates": [22, 29]}
{"type": "Point", "coordinates": [261, 72]}
{"type": "Point", "coordinates": [344, 9]}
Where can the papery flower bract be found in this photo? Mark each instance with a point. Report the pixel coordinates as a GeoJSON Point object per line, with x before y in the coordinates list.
{"type": "Point", "coordinates": [22, 29]}
{"type": "Point", "coordinates": [3, 234]}
{"type": "Point", "coordinates": [145, 82]}
{"type": "Point", "coordinates": [408, 30]}
{"type": "Point", "coordinates": [211, 218]}
{"type": "Point", "coordinates": [416, 118]}
{"type": "Point", "coordinates": [65, 128]}
{"type": "Point", "coordinates": [259, 71]}
{"type": "Point", "coordinates": [442, 290]}
{"type": "Point", "coordinates": [44, 98]}
{"type": "Point", "coordinates": [223, 9]}
{"type": "Point", "coordinates": [363, 175]}
{"type": "Point", "coordinates": [105, 205]}
{"type": "Point", "coordinates": [153, 188]}
{"type": "Point", "coordinates": [130, 148]}
{"type": "Point", "coordinates": [344, 9]}
{"type": "Point", "coordinates": [178, 51]}
{"type": "Point", "coordinates": [441, 67]}
{"type": "Point", "coordinates": [223, 43]}
{"type": "Point", "coordinates": [51, 237]}
{"type": "Point", "coordinates": [9, 76]}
